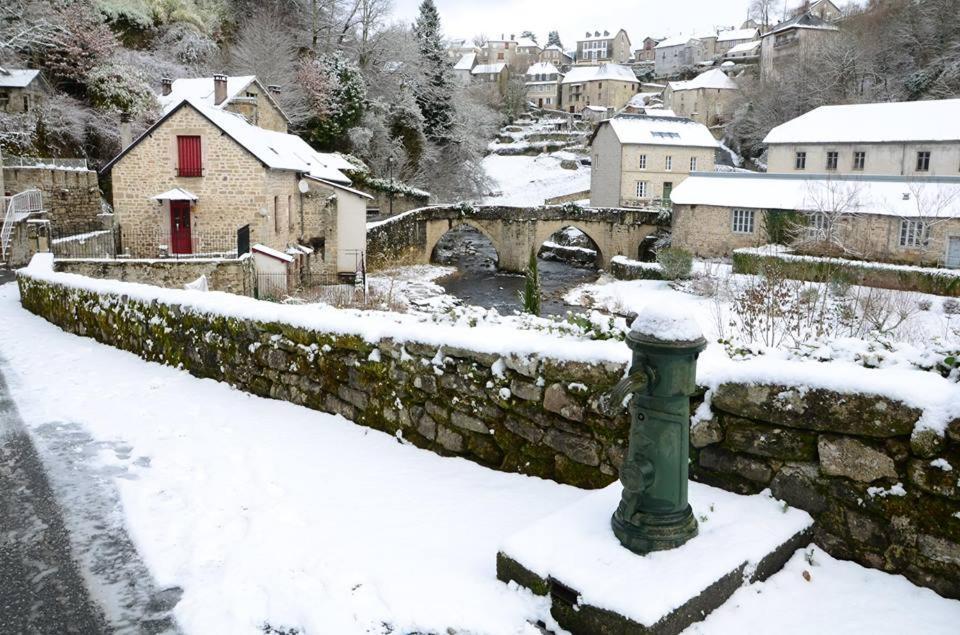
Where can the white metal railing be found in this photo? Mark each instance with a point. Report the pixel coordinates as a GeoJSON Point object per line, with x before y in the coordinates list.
{"type": "Point", "coordinates": [43, 162]}
{"type": "Point", "coordinates": [17, 207]}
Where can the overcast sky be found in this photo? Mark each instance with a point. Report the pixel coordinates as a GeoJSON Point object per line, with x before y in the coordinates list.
{"type": "Point", "coordinates": [572, 18]}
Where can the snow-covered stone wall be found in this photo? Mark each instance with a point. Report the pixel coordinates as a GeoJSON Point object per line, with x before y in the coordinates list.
{"type": "Point", "coordinates": [881, 493]}
{"type": "Point", "coordinates": [883, 490]}
{"type": "Point", "coordinates": [231, 276]}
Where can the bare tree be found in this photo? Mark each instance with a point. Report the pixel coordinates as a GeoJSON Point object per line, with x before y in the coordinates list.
{"type": "Point", "coordinates": [763, 11]}
{"type": "Point", "coordinates": [832, 223]}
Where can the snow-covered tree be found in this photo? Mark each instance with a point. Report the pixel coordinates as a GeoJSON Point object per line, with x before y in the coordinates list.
{"type": "Point", "coordinates": [553, 39]}
{"type": "Point", "coordinates": [530, 35]}
{"type": "Point", "coordinates": [337, 95]}
{"type": "Point", "coordinates": [435, 86]}
{"type": "Point", "coordinates": [121, 89]}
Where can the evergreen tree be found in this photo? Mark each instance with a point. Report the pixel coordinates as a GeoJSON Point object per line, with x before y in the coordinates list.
{"type": "Point", "coordinates": [530, 35]}
{"type": "Point", "coordinates": [337, 96]}
{"type": "Point", "coordinates": [530, 296]}
{"type": "Point", "coordinates": [434, 91]}
{"type": "Point", "coordinates": [554, 38]}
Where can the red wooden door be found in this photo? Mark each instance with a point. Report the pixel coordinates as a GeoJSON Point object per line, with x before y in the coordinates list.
{"type": "Point", "coordinates": [180, 242]}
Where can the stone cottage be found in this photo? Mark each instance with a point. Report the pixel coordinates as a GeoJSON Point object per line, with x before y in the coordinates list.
{"type": "Point", "coordinates": [21, 89]}
{"type": "Point", "coordinates": [889, 219]}
{"type": "Point", "coordinates": [543, 85]}
{"type": "Point", "coordinates": [607, 86]}
{"type": "Point", "coordinates": [244, 95]}
{"type": "Point", "coordinates": [603, 47]}
{"type": "Point", "coordinates": [708, 98]}
{"type": "Point", "coordinates": [639, 159]}
{"type": "Point", "coordinates": [201, 173]}
{"type": "Point", "coordinates": [792, 42]}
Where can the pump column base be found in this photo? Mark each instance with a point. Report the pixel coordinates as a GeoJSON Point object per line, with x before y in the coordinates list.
{"type": "Point", "coordinates": [654, 532]}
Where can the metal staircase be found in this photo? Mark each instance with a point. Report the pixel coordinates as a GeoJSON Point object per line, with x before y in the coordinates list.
{"type": "Point", "coordinates": [17, 207]}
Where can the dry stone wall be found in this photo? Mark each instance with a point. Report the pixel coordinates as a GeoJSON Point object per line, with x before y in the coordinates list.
{"type": "Point", "coordinates": [881, 494]}
{"type": "Point", "coordinates": [71, 197]}
{"type": "Point", "coordinates": [231, 276]}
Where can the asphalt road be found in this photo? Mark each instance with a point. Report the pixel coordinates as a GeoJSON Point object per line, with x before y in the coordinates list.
{"type": "Point", "coordinates": [41, 590]}
{"type": "Point", "coordinates": [6, 275]}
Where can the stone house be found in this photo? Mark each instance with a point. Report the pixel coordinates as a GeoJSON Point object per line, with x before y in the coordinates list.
{"type": "Point", "coordinates": [462, 70]}
{"type": "Point", "coordinates": [21, 90]}
{"type": "Point", "coordinates": [823, 9]}
{"type": "Point", "coordinates": [555, 55]}
{"type": "Point", "coordinates": [726, 40]}
{"type": "Point", "coordinates": [243, 95]}
{"type": "Point", "coordinates": [607, 86]}
{"type": "Point", "coordinates": [528, 54]}
{"type": "Point", "coordinates": [503, 51]}
{"type": "Point", "coordinates": [494, 77]}
{"type": "Point", "coordinates": [889, 219]}
{"type": "Point", "coordinates": [639, 159]}
{"type": "Point", "coordinates": [457, 48]}
{"type": "Point", "coordinates": [748, 52]}
{"type": "Point", "coordinates": [706, 99]}
{"type": "Point", "coordinates": [201, 173]}
{"type": "Point", "coordinates": [646, 52]}
{"type": "Point", "coordinates": [790, 43]}
{"type": "Point", "coordinates": [907, 139]}
{"type": "Point", "coordinates": [598, 48]}
{"type": "Point", "coordinates": [677, 53]}
{"type": "Point", "coordinates": [543, 85]}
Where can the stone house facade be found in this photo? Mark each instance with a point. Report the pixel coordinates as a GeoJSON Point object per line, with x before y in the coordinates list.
{"type": "Point", "coordinates": [607, 86]}
{"type": "Point", "coordinates": [677, 53]}
{"type": "Point", "coordinates": [244, 95]}
{"type": "Point", "coordinates": [729, 39]}
{"type": "Point", "coordinates": [21, 90]}
{"type": "Point", "coordinates": [493, 77]}
{"type": "Point", "coordinates": [912, 139]}
{"type": "Point", "coordinates": [871, 218]}
{"type": "Point", "coordinates": [543, 85]}
{"type": "Point", "coordinates": [647, 52]}
{"type": "Point", "coordinates": [638, 160]}
{"type": "Point", "coordinates": [555, 55]}
{"type": "Point", "coordinates": [789, 44]}
{"type": "Point", "coordinates": [243, 176]}
{"type": "Point", "coordinates": [71, 197]}
{"type": "Point", "coordinates": [708, 98]}
{"type": "Point", "coordinates": [602, 47]}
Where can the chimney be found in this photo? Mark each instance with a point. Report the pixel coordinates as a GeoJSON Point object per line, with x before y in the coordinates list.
{"type": "Point", "coordinates": [274, 90]}
{"type": "Point", "coordinates": [166, 86]}
{"type": "Point", "coordinates": [126, 137]}
{"type": "Point", "coordinates": [219, 89]}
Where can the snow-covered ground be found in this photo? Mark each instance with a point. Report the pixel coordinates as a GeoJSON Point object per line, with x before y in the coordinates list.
{"type": "Point", "coordinates": [266, 513]}
{"type": "Point", "coordinates": [527, 181]}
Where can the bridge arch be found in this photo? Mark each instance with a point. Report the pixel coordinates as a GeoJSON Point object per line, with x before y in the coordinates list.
{"type": "Point", "coordinates": [436, 230]}
{"type": "Point", "coordinates": [597, 261]}
{"type": "Point", "coordinates": [546, 229]}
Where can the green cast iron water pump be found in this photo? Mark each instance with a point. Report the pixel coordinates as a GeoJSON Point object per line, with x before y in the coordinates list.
{"type": "Point", "coordinates": [654, 514]}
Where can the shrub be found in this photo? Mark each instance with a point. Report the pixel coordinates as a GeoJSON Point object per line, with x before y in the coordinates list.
{"type": "Point", "coordinates": [675, 262]}
{"type": "Point", "coordinates": [925, 304]}
{"type": "Point", "coordinates": [951, 306]}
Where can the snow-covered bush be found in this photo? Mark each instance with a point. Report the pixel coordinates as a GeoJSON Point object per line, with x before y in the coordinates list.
{"type": "Point", "coordinates": [676, 263]}
{"type": "Point", "coordinates": [120, 88]}
{"type": "Point", "coordinates": [951, 306]}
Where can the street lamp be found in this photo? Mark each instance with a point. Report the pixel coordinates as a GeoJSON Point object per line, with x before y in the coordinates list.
{"type": "Point", "coordinates": [390, 172]}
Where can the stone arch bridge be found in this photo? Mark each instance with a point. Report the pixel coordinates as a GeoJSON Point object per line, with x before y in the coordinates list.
{"type": "Point", "coordinates": [410, 238]}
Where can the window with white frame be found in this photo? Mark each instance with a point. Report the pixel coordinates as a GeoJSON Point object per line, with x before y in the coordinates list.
{"type": "Point", "coordinates": [914, 233]}
{"type": "Point", "coordinates": [800, 161]}
{"type": "Point", "coordinates": [742, 221]}
{"type": "Point", "coordinates": [923, 161]}
{"type": "Point", "coordinates": [642, 162]}
{"type": "Point", "coordinates": [693, 164]}
{"type": "Point", "coordinates": [833, 158]}
{"type": "Point", "coordinates": [817, 227]}
{"type": "Point", "coordinates": [668, 163]}
{"type": "Point", "coordinates": [642, 188]}
{"type": "Point", "coordinates": [859, 160]}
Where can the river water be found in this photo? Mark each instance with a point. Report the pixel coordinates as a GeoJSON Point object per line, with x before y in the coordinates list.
{"type": "Point", "coordinates": [478, 282]}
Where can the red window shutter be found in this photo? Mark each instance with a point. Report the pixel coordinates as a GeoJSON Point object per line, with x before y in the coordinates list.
{"type": "Point", "coordinates": [188, 156]}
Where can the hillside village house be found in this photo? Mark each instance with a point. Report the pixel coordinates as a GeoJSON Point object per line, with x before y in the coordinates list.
{"type": "Point", "coordinates": [606, 86]}
{"type": "Point", "coordinates": [463, 69]}
{"type": "Point", "coordinates": [676, 53]}
{"type": "Point", "coordinates": [543, 85]}
{"type": "Point", "coordinates": [200, 173]}
{"type": "Point", "coordinates": [918, 138]}
{"type": "Point", "coordinates": [823, 9]}
{"type": "Point", "coordinates": [555, 55]}
{"type": "Point", "coordinates": [457, 48]}
{"type": "Point", "coordinates": [647, 50]}
{"type": "Point", "coordinates": [638, 160]}
{"type": "Point", "coordinates": [597, 48]}
{"type": "Point", "coordinates": [744, 53]}
{"type": "Point", "coordinates": [891, 219]}
{"type": "Point", "coordinates": [21, 90]}
{"type": "Point", "coordinates": [528, 54]}
{"type": "Point", "coordinates": [494, 77]}
{"type": "Point", "coordinates": [708, 98]}
{"type": "Point", "coordinates": [790, 43]}
{"type": "Point", "coordinates": [503, 51]}
{"type": "Point", "coordinates": [726, 40]}
{"type": "Point", "coordinates": [243, 95]}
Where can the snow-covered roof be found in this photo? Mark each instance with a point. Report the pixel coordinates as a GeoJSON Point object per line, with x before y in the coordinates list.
{"type": "Point", "coordinates": [737, 34]}
{"type": "Point", "coordinates": [466, 62]}
{"type": "Point", "coordinates": [488, 69]}
{"type": "Point", "coordinates": [746, 47]}
{"type": "Point", "coordinates": [937, 120]}
{"type": "Point", "coordinates": [17, 77]}
{"type": "Point", "coordinates": [802, 21]}
{"type": "Point", "coordinates": [654, 130]}
{"type": "Point", "coordinates": [276, 150]}
{"type": "Point", "coordinates": [712, 79]}
{"type": "Point", "coordinates": [676, 40]}
{"type": "Point", "coordinates": [554, 47]}
{"type": "Point", "coordinates": [526, 42]}
{"type": "Point", "coordinates": [201, 90]}
{"type": "Point", "coordinates": [176, 194]}
{"type": "Point", "coordinates": [608, 72]}
{"type": "Point", "coordinates": [889, 196]}
{"type": "Point", "coordinates": [273, 253]}
{"type": "Point", "coordinates": [543, 68]}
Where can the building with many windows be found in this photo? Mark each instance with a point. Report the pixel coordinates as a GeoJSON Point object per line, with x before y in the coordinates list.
{"type": "Point", "coordinates": [916, 138]}
{"type": "Point", "coordinates": [543, 86]}
{"type": "Point", "coordinates": [639, 159]}
{"type": "Point", "coordinates": [708, 98]}
{"type": "Point", "coordinates": [608, 86]}
{"type": "Point", "coordinates": [600, 47]}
